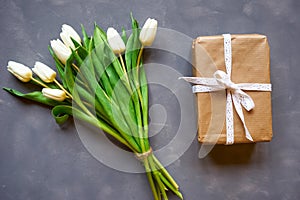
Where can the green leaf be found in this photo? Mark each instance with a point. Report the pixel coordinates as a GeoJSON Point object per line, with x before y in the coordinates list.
{"type": "Point", "coordinates": [69, 74]}
{"type": "Point", "coordinates": [121, 95]}
{"type": "Point", "coordinates": [78, 59]}
{"type": "Point", "coordinates": [62, 112]}
{"type": "Point", "coordinates": [91, 45]}
{"type": "Point", "coordinates": [59, 66]}
{"type": "Point", "coordinates": [118, 69]}
{"type": "Point", "coordinates": [88, 76]}
{"type": "Point", "coordinates": [34, 96]}
{"type": "Point", "coordinates": [98, 66]}
{"type": "Point", "coordinates": [112, 76]}
{"type": "Point", "coordinates": [134, 23]}
{"type": "Point", "coordinates": [132, 46]}
{"type": "Point", "coordinates": [80, 50]}
{"type": "Point", "coordinates": [98, 92]}
{"type": "Point", "coordinates": [76, 44]}
{"type": "Point", "coordinates": [132, 53]}
{"type": "Point", "coordinates": [124, 101]}
{"type": "Point", "coordinates": [124, 36]}
{"type": "Point", "coordinates": [99, 36]}
{"type": "Point", "coordinates": [109, 107]}
{"type": "Point", "coordinates": [128, 52]}
{"type": "Point", "coordinates": [101, 32]}
{"type": "Point", "coordinates": [86, 39]}
{"type": "Point", "coordinates": [82, 95]}
{"type": "Point", "coordinates": [99, 63]}
{"type": "Point", "coordinates": [114, 61]}
{"type": "Point", "coordinates": [145, 97]}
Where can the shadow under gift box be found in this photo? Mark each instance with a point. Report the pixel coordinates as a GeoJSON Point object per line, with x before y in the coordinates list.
{"type": "Point", "coordinates": [250, 64]}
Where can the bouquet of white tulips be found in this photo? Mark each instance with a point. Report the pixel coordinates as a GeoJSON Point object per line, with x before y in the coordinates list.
{"type": "Point", "coordinates": [97, 73]}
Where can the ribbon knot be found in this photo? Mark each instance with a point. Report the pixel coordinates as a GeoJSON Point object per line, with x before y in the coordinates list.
{"type": "Point", "coordinates": [224, 80]}
{"type": "Point", "coordinates": [234, 91]}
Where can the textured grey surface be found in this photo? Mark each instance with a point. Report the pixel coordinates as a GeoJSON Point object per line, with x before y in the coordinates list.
{"type": "Point", "coordinates": [40, 160]}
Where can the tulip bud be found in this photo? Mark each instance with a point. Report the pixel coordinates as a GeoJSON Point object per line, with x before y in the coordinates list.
{"type": "Point", "coordinates": [44, 72]}
{"type": "Point", "coordinates": [115, 41]}
{"type": "Point", "coordinates": [67, 32]}
{"type": "Point", "coordinates": [20, 71]}
{"type": "Point", "coordinates": [61, 51]}
{"type": "Point", "coordinates": [55, 94]}
{"type": "Point", "coordinates": [148, 32]}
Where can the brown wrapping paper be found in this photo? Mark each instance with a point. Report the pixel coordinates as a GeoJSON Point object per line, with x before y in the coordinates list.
{"type": "Point", "coordinates": [250, 64]}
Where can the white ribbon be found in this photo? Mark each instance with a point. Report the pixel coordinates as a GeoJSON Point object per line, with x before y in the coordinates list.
{"type": "Point", "coordinates": [234, 92]}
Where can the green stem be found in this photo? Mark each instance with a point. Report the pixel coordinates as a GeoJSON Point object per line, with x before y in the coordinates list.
{"type": "Point", "coordinates": [167, 183]}
{"type": "Point", "coordinates": [139, 58]}
{"type": "Point", "coordinates": [164, 176]}
{"type": "Point", "coordinates": [127, 85]}
{"type": "Point", "coordinates": [150, 179]}
{"type": "Point", "coordinates": [165, 172]}
{"type": "Point", "coordinates": [145, 115]}
{"type": "Point", "coordinates": [127, 82]}
{"type": "Point", "coordinates": [155, 173]}
{"type": "Point", "coordinates": [39, 82]}
{"type": "Point", "coordinates": [124, 69]}
{"type": "Point", "coordinates": [116, 136]}
{"type": "Point", "coordinates": [75, 67]}
{"type": "Point", "coordinates": [161, 185]}
{"type": "Point", "coordinates": [144, 144]}
{"type": "Point", "coordinates": [61, 87]}
{"type": "Point", "coordinates": [137, 75]}
{"type": "Point", "coordinates": [139, 121]}
{"type": "Point", "coordinates": [158, 191]}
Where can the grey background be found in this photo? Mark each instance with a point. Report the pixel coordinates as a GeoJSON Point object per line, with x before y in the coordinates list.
{"type": "Point", "coordinates": [41, 160]}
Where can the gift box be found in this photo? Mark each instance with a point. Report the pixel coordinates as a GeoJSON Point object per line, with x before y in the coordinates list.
{"type": "Point", "coordinates": [250, 63]}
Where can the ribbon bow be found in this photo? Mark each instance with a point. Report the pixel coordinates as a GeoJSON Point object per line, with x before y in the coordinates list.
{"type": "Point", "coordinates": [234, 91]}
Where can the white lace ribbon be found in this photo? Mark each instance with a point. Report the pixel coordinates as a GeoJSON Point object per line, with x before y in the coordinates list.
{"type": "Point", "coordinates": [234, 92]}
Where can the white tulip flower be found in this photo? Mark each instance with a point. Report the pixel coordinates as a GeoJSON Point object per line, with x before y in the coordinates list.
{"type": "Point", "coordinates": [67, 32]}
{"type": "Point", "coordinates": [148, 32]}
{"type": "Point", "coordinates": [55, 94]}
{"type": "Point", "coordinates": [20, 71]}
{"type": "Point", "coordinates": [115, 41]}
{"type": "Point", "coordinates": [44, 72]}
{"type": "Point", "coordinates": [61, 51]}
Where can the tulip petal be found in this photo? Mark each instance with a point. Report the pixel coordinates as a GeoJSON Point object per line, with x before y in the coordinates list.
{"type": "Point", "coordinates": [61, 50]}
{"type": "Point", "coordinates": [55, 94]}
{"type": "Point", "coordinates": [115, 41]}
{"type": "Point", "coordinates": [22, 72]}
{"type": "Point", "coordinates": [148, 32]}
{"type": "Point", "coordinates": [66, 40]}
{"type": "Point", "coordinates": [71, 32]}
{"type": "Point", "coordinates": [44, 72]}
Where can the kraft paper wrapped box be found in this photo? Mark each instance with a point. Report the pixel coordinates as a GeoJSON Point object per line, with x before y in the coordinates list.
{"type": "Point", "coordinates": [250, 64]}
